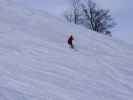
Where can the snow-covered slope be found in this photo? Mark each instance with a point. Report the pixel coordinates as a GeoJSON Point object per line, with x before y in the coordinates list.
{"type": "Point", "coordinates": [37, 64]}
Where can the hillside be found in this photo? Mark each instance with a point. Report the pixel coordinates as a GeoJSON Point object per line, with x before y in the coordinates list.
{"type": "Point", "coordinates": [37, 64]}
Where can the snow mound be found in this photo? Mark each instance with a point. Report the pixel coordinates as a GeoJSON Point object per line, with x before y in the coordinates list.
{"type": "Point", "coordinates": [37, 64]}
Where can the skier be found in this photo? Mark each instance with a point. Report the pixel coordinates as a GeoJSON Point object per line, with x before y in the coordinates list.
{"type": "Point", "coordinates": [70, 43]}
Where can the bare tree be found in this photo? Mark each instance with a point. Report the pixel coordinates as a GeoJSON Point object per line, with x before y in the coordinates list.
{"type": "Point", "coordinates": [75, 5]}
{"type": "Point", "coordinates": [74, 13]}
{"type": "Point", "coordinates": [86, 12]}
{"type": "Point", "coordinates": [97, 19]}
{"type": "Point", "coordinates": [69, 16]}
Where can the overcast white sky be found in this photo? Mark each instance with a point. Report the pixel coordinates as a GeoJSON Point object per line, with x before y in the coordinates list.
{"type": "Point", "coordinates": [121, 11]}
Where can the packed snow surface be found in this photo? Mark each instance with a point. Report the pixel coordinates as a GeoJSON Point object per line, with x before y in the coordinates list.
{"type": "Point", "coordinates": [37, 64]}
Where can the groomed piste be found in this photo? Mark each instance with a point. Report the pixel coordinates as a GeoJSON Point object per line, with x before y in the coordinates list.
{"type": "Point", "coordinates": [36, 62]}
